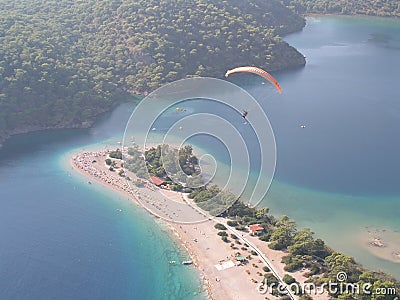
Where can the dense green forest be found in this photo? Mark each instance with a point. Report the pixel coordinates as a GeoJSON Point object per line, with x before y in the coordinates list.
{"type": "Point", "coordinates": [383, 8]}
{"type": "Point", "coordinates": [63, 62]}
{"type": "Point", "coordinates": [302, 250]}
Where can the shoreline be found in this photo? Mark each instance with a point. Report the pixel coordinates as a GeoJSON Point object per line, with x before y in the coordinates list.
{"type": "Point", "coordinates": [320, 15]}
{"type": "Point", "coordinates": [200, 240]}
{"type": "Point", "coordinates": [381, 242]}
{"type": "Point", "coordinates": [165, 226]}
{"type": "Point", "coordinates": [221, 273]}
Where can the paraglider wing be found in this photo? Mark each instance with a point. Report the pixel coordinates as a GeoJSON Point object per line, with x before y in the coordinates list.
{"type": "Point", "coordinates": [257, 71]}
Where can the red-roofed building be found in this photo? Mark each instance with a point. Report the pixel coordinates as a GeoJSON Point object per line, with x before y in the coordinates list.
{"type": "Point", "coordinates": [157, 181]}
{"type": "Point", "coordinates": [256, 228]}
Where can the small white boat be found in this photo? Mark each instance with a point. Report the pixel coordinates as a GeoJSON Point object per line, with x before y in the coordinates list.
{"type": "Point", "coordinates": [187, 262]}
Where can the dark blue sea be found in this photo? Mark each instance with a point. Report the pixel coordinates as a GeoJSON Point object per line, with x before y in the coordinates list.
{"type": "Point", "coordinates": [61, 238]}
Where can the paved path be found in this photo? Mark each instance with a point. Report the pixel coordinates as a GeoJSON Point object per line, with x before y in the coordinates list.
{"type": "Point", "coordinates": [260, 254]}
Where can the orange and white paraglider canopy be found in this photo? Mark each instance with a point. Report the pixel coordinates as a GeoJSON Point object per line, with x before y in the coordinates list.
{"type": "Point", "coordinates": [257, 71]}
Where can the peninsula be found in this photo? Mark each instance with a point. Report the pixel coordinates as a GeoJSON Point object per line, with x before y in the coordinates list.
{"type": "Point", "coordinates": [237, 250]}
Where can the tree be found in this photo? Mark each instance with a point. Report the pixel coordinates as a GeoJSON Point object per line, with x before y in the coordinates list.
{"type": "Point", "coordinates": [304, 244]}
{"type": "Point", "coordinates": [384, 290]}
{"type": "Point", "coordinates": [262, 213]}
{"type": "Point", "coordinates": [225, 239]}
{"type": "Point", "coordinates": [282, 236]}
{"type": "Point", "coordinates": [346, 296]}
{"type": "Point", "coordinates": [62, 65]}
{"type": "Point", "coordinates": [117, 154]}
{"type": "Point", "coordinates": [220, 226]}
{"type": "Point", "coordinates": [305, 297]}
{"type": "Point", "coordinates": [288, 279]}
{"type": "Point", "coordinates": [339, 262]}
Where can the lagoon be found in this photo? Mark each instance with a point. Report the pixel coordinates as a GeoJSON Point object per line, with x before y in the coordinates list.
{"type": "Point", "coordinates": [62, 238]}
{"type": "Point", "coordinates": [340, 175]}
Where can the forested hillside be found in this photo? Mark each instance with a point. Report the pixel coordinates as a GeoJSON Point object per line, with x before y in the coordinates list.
{"type": "Point", "coordinates": [63, 62]}
{"type": "Point", "coordinates": [383, 8]}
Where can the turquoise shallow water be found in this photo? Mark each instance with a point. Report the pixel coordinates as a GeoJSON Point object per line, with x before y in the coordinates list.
{"type": "Point", "coordinates": [341, 172]}
{"type": "Point", "coordinates": [64, 239]}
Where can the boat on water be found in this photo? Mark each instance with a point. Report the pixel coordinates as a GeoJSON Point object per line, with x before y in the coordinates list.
{"type": "Point", "coordinates": [187, 262]}
{"type": "Point", "coordinates": [172, 262]}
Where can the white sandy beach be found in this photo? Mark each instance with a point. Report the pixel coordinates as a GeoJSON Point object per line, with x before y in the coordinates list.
{"type": "Point", "coordinates": [209, 253]}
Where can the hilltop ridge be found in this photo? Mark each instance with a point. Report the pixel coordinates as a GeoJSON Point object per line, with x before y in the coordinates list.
{"type": "Point", "coordinates": [65, 62]}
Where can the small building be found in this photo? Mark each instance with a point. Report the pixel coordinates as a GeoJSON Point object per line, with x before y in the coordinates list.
{"type": "Point", "coordinates": [256, 229]}
{"type": "Point", "coordinates": [157, 181]}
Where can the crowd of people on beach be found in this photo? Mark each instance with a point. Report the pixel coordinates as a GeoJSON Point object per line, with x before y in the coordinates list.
{"type": "Point", "coordinates": [85, 162]}
{"type": "Point", "coordinates": [93, 164]}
